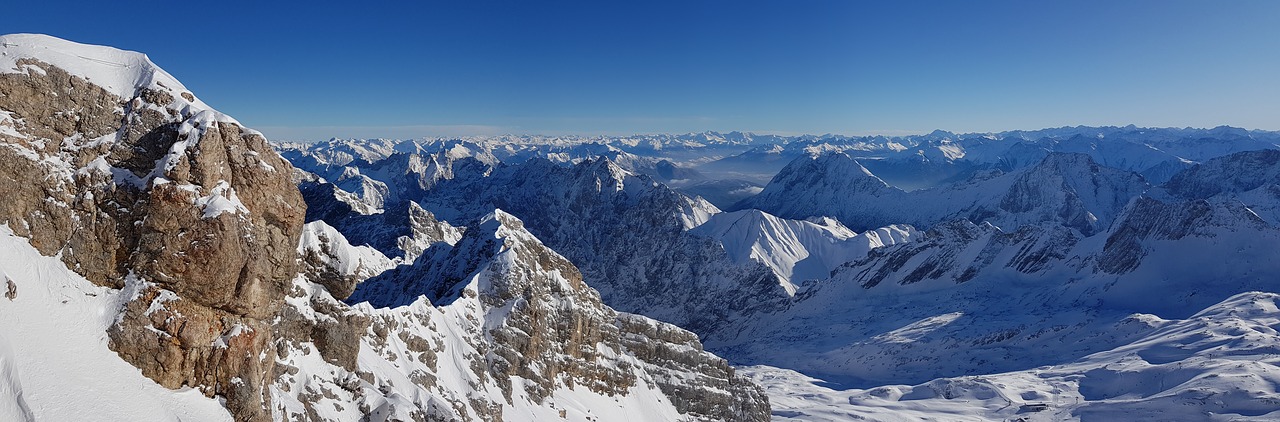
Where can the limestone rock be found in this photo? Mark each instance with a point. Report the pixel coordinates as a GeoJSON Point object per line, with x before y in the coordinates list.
{"type": "Point", "coordinates": [145, 187]}
{"type": "Point", "coordinates": [541, 324]}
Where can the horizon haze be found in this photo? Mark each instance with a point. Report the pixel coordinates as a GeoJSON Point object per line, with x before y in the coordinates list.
{"type": "Point", "coordinates": [852, 68]}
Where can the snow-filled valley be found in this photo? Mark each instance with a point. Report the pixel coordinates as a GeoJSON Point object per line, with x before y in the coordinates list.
{"type": "Point", "coordinates": [161, 262]}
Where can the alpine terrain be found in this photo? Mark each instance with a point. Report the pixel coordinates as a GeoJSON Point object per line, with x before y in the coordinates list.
{"type": "Point", "coordinates": [161, 261]}
{"type": "Point", "coordinates": [159, 266]}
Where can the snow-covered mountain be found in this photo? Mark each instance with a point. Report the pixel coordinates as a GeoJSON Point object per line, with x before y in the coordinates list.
{"type": "Point", "coordinates": [796, 250]}
{"type": "Point", "coordinates": [380, 172]}
{"type": "Point", "coordinates": [727, 168]}
{"type": "Point", "coordinates": [915, 162]}
{"type": "Point", "coordinates": [627, 232]}
{"type": "Point", "coordinates": [1041, 259]}
{"type": "Point", "coordinates": [1070, 189]}
{"type": "Point", "coordinates": [965, 299]}
{"type": "Point", "coordinates": [165, 246]}
{"type": "Point", "coordinates": [496, 327]}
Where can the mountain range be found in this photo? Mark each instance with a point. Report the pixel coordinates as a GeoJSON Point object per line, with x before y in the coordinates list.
{"type": "Point", "coordinates": [161, 261]}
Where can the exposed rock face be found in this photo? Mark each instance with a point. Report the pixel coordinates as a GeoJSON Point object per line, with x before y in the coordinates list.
{"type": "Point", "coordinates": [716, 392]}
{"type": "Point", "coordinates": [425, 231]}
{"type": "Point", "coordinates": [540, 323]}
{"type": "Point", "coordinates": [145, 187]}
{"type": "Point", "coordinates": [328, 259]}
{"type": "Point", "coordinates": [42, 193]}
{"type": "Point", "coordinates": [179, 342]}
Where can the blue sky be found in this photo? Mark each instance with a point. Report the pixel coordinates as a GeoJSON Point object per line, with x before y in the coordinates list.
{"type": "Point", "coordinates": [408, 69]}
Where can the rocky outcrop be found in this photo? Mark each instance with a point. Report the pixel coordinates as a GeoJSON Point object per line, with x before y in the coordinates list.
{"type": "Point", "coordinates": [699, 383]}
{"type": "Point", "coordinates": [142, 186]}
{"type": "Point", "coordinates": [540, 324]}
{"type": "Point", "coordinates": [179, 342]}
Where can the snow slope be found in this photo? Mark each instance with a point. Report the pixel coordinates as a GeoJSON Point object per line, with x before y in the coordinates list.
{"type": "Point", "coordinates": [796, 250]}
{"type": "Point", "coordinates": [359, 261]}
{"type": "Point", "coordinates": [54, 357]}
{"type": "Point", "coordinates": [1220, 364]}
{"type": "Point", "coordinates": [969, 299]}
{"type": "Point", "coordinates": [120, 72]}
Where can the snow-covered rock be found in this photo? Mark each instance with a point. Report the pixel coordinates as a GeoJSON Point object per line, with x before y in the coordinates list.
{"type": "Point", "coordinates": [329, 259]}
{"type": "Point", "coordinates": [501, 327]}
{"type": "Point", "coordinates": [627, 232]}
{"type": "Point", "coordinates": [55, 360]}
{"type": "Point", "coordinates": [112, 166]}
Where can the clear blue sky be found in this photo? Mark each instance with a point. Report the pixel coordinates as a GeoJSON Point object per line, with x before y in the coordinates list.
{"type": "Point", "coordinates": [363, 68]}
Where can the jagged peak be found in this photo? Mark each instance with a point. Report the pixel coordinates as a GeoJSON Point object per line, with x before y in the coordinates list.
{"type": "Point", "coordinates": [605, 165]}
{"type": "Point", "coordinates": [501, 224]}
{"type": "Point", "coordinates": [496, 238]}
{"type": "Point", "coordinates": [1075, 167]}
{"type": "Point", "coordinates": [832, 166]}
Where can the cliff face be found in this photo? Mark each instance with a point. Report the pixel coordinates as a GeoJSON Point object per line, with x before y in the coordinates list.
{"type": "Point", "coordinates": [142, 186]}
